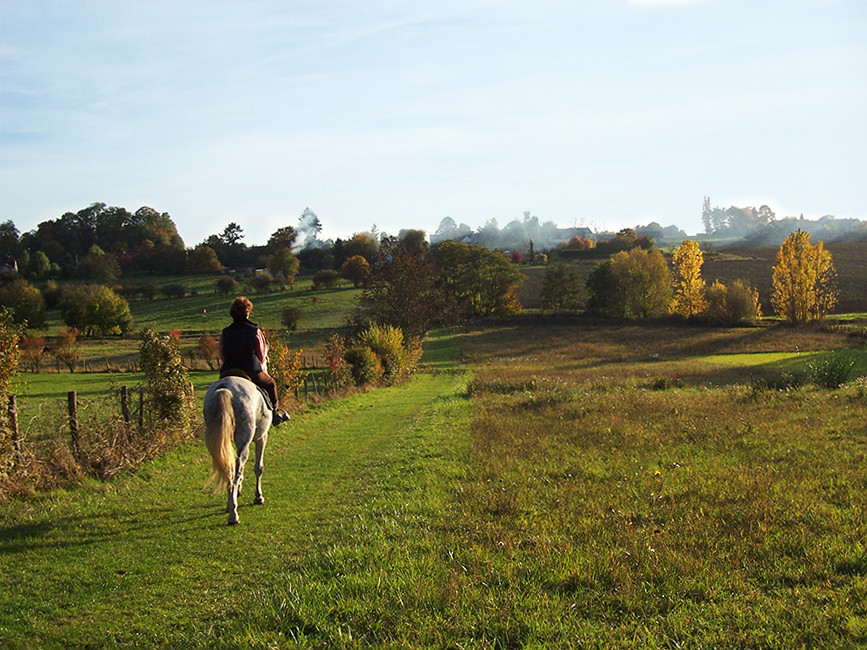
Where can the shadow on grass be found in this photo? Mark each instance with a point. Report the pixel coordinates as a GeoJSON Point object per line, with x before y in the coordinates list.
{"type": "Point", "coordinates": [86, 530]}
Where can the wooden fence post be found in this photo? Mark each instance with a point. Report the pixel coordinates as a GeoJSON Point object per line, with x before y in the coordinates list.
{"type": "Point", "coordinates": [124, 404]}
{"type": "Point", "coordinates": [73, 422]}
{"type": "Point", "coordinates": [13, 424]}
{"type": "Point", "coordinates": [141, 401]}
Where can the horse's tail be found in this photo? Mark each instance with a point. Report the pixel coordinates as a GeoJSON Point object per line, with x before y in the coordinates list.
{"type": "Point", "coordinates": [219, 434]}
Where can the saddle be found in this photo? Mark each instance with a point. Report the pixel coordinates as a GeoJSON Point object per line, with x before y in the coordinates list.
{"type": "Point", "coordinates": [237, 372]}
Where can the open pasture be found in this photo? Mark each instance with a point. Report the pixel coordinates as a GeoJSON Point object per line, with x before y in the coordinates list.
{"type": "Point", "coordinates": [547, 483]}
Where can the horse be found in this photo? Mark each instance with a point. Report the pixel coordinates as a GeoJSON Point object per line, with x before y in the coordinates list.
{"type": "Point", "coordinates": [235, 412]}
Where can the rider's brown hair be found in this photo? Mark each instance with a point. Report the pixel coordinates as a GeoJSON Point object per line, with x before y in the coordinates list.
{"type": "Point", "coordinates": [240, 308]}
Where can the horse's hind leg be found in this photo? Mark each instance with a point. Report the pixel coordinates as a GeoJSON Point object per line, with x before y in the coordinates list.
{"type": "Point", "coordinates": [260, 468]}
{"type": "Point", "coordinates": [235, 487]}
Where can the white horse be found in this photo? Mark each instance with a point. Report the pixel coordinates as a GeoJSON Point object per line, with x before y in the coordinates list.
{"type": "Point", "coordinates": [235, 412]}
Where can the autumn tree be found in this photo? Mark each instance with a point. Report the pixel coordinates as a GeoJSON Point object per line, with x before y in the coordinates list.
{"type": "Point", "coordinates": [208, 349]}
{"type": "Point", "coordinates": [402, 292]}
{"type": "Point", "coordinates": [733, 304]}
{"type": "Point", "coordinates": [689, 287]}
{"type": "Point", "coordinates": [804, 280]}
{"type": "Point", "coordinates": [34, 349]}
{"type": "Point", "coordinates": [357, 270]}
{"type": "Point", "coordinates": [66, 349]}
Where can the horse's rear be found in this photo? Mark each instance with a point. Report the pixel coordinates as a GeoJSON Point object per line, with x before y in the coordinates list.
{"type": "Point", "coordinates": [235, 415]}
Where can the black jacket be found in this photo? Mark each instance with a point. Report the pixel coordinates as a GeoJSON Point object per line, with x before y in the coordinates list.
{"type": "Point", "coordinates": [238, 343]}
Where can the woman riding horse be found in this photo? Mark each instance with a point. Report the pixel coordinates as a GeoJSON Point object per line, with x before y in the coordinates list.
{"type": "Point", "coordinates": [243, 348]}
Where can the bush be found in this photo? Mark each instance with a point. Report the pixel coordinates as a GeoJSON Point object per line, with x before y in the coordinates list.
{"type": "Point", "coordinates": [326, 279]}
{"type": "Point", "coordinates": [166, 377]}
{"type": "Point", "coordinates": [832, 371]}
{"type": "Point", "coordinates": [387, 343]}
{"type": "Point", "coordinates": [174, 290]}
{"type": "Point", "coordinates": [261, 283]}
{"type": "Point", "coordinates": [225, 285]}
{"type": "Point", "coordinates": [290, 317]}
{"type": "Point", "coordinates": [285, 366]}
{"type": "Point", "coordinates": [736, 304]}
{"type": "Point", "coordinates": [337, 372]}
{"type": "Point", "coordinates": [365, 365]}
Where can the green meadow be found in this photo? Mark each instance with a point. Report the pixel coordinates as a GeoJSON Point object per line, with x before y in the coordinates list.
{"type": "Point", "coordinates": [541, 482]}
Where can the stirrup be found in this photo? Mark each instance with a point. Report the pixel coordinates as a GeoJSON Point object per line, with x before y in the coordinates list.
{"type": "Point", "coordinates": [279, 417]}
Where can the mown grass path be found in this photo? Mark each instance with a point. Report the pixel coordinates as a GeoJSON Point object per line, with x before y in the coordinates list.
{"type": "Point", "coordinates": [149, 560]}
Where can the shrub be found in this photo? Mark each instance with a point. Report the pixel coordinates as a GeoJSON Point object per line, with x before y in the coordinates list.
{"type": "Point", "coordinates": [387, 343]}
{"type": "Point", "coordinates": [326, 279]}
{"type": "Point", "coordinates": [290, 317]}
{"type": "Point", "coordinates": [149, 290]}
{"type": "Point", "coordinates": [735, 304]}
{"type": "Point", "coordinates": [225, 285]}
{"type": "Point", "coordinates": [165, 377]}
{"type": "Point", "coordinates": [285, 366]}
{"type": "Point", "coordinates": [34, 349]}
{"type": "Point", "coordinates": [209, 350]}
{"type": "Point", "coordinates": [66, 348]}
{"type": "Point", "coordinates": [337, 372]}
{"type": "Point", "coordinates": [261, 283]}
{"type": "Point", "coordinates": [365, 365]}
{"type": "Point", "coordinates": [832, 371]}
{"type": "Point", "coordinates": [174, 290]}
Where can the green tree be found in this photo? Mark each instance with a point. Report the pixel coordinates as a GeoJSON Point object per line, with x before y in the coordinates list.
{"type": "Point", "coordinates": [282, 238]}
{"type": "Point", "coordinates": [689, 287]}
{"type": "Point", "coordinates": [99, 266]}
{"type": "Point", "coordinates": [636, 284]}
{"type": "Point", "coordinates": [25, 301]}
{"type": "Point", "coordinates": [284, 263]}
{"type": "Point", "coordinates": [414, 241]}
{"type": "Point", "coordinates": [478, 281]}
{"type": "Point", "coordinates": [563, 287]}
{"type": "Point", "coordinates": [96, 310]}
{"type": "Point", "coordinates": [40, 266]}
{"type": "Point", "coordinates": [203, 259]}
{"type": "Point", "coordinates": [804, 280]}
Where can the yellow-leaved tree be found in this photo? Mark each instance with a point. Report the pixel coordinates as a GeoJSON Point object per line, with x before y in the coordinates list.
{"type": "Point", "coordinates": [689, 287]}
{"type": "Point", "coordinates": [805, 280]}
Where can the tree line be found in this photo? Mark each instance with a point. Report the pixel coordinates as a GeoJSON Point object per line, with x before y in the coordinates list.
{"type": "Point", "coordinates": [638, 283]}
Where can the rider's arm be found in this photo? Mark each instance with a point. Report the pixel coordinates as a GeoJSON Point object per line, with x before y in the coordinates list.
{"type": "Point", "coordinates": [260, 346]}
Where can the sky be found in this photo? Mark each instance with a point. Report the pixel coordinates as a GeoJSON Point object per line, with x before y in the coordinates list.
{"type": "Point", "coordinates": [395, 114]}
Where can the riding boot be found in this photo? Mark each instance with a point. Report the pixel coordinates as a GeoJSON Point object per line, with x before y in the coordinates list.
{"type": "Point", "coordinates": [280, 416]}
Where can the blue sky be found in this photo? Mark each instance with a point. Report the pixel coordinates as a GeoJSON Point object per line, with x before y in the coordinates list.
{"type": "Point", "coordinates": [604, 113]}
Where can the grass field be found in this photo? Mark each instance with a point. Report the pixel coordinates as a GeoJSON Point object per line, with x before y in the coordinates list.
{"type": "Point", "coordinates": [547, 483]}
